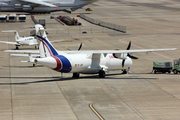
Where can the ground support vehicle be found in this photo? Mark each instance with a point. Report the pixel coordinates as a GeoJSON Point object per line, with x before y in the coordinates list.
{"type": "Point", "coordinates": [162, 66]}
{"type": "Point", "coordinates": [176, 68]}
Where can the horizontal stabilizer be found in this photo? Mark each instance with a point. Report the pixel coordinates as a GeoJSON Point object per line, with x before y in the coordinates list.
{"type": "Point", "coordinates": [25, 55]}
{"type": "Point", "coordinates": [23, 51]}
{"type": "Point", "coordinates": [9, 31]}
{"type": "Point", "coordinates": [25, 61]}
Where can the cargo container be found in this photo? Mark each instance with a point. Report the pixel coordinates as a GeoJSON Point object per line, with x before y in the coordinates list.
{"type": "Point", "coordinates": [3, 18]}
{"type": "Point", "coordinates": [22, 18]}
{"type": "Point", "coordinates": [12, 18]}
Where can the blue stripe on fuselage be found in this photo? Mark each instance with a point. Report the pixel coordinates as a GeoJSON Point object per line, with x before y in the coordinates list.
{"type": "Point", "coordinates": [66, 65]}
{"type": "Point", "coordinates": [54, 52]}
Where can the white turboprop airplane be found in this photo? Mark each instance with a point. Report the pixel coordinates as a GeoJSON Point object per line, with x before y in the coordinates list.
{"type": "Point", "coordinates": [85, 62]}
{"type": "Point", "coordinates": [21, 41]}
{"type": "Point", "coordinates": [42, 6]}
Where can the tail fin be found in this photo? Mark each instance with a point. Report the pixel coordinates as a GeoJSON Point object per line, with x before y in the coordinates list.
{"type": "Point", "coordinates": [16, 35]}
{"type": "Point", "coordinates": [45, 47]}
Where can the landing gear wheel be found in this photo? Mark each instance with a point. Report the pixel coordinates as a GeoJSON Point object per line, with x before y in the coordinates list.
{"type": "Point", "coordinates": [75, 75]}
{"type": "Point", "coordinates": [124, 72]}
{"type": "Point", "coordinates": [102, 74]}
{"type": "Point", "coordinates": [175, 71]}
{"type": "Point", "coordinates": [17, 47]}
{"type": "Point", "coordinates": [169, 72]}
{"type": "Point", "coordinates": [34, 65]}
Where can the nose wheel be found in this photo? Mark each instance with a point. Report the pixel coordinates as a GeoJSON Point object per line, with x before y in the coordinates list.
{"type": "Point", "coordinates": [102, 74]}
{"type": "Point", "coordinates": [17, 47]}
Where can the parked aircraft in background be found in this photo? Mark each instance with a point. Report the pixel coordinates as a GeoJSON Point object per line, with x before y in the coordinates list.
{"type": "Point", "coordinates": [42, 6]}
{"type": "Point", "coordinates": [85, 62]}
{"type": "Point", "coordinates": [21, 41]}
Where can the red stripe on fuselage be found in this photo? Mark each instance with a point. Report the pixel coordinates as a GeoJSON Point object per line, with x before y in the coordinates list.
{"type": "Point", "coordinates": [59, 63]}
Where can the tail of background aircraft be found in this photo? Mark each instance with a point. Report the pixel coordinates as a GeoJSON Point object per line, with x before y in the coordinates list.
{"type": "Point", "coordinates": [45, 47]}
{"type": "Point", "coordinates": [16, 35]}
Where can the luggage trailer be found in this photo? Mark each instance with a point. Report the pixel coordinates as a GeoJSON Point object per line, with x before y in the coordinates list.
{"type": "Point", "coordinates": [22, 18]}
{"type": "Point", "coordinates": [3, 18]}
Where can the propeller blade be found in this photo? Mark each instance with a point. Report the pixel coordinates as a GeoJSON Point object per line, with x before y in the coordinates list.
{"type": "Point", "coordinates": [114, 55]}
{"type": "Point", "coordinates": [133, 57]}
{"type": "Point", "coordinates": [129, 46]}
{"type": "Point", "coordinates": [123, 63]}
{"type": "Point", "coordinates": [80, 46]}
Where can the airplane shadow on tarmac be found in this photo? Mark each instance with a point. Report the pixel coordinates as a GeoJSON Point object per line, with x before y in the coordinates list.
{"type": "Point", "coordinates": [56, 79]}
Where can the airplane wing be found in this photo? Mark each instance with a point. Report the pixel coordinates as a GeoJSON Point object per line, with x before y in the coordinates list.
{"type": "Point", "coordinates": [93, 51]}
{"type": "Point", "coordinates": [14, 43]}
{"type": "Point", "coordinates": [117, 51]}
{"type": "Point", "coordinates": [33, 44]}
{"type": "Point", "coordinates": [38, 3]}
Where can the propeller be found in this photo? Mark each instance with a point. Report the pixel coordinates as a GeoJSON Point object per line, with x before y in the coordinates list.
{"type": "Point", "coordinates": [80, 47]}
{"type": "Point", "coordinates": [129, 55]}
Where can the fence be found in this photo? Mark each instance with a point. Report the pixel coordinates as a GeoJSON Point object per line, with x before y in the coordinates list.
{"type": "Point", "coordinates": [104, 24]}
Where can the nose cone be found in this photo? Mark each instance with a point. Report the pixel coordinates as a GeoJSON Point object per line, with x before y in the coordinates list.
{"type": "Point", "coordinates": [128, 62]}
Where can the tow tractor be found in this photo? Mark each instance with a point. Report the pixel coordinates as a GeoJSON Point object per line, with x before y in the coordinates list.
{"type": "Point", "coordinates": [176, 66]}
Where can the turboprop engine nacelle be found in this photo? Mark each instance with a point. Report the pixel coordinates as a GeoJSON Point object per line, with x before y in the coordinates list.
{"type": "Point", "coordinates": [120, 55]}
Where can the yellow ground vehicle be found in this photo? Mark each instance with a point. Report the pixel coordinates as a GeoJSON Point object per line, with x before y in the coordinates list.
{"type": "Point", "coordinates": [88, 9]}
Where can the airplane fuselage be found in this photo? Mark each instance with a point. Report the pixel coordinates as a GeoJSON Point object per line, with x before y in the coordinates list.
{"type": "Point", "coordinates": [27, 41]}
{"type": "Point", "coordinates": [83, 63]}
{"type": "Point", "coordinates": [17, 6]}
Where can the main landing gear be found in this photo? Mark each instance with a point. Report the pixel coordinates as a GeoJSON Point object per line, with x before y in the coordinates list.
{"type": "Point", "coordinates": [102, 74]}
{"type": "Point", "coordinates": [17, 47]}
{"type": "Point", "coordinates": [75, 75]}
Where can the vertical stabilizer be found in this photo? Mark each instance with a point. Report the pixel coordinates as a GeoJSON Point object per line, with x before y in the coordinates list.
{"type": "Point", "coordinates": [45, 47]}
{"type": "Point", "coordinates": [16, 35]}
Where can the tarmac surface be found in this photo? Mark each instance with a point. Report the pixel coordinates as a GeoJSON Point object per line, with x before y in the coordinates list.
{"type": "Point", "coordinates": [38, 93]}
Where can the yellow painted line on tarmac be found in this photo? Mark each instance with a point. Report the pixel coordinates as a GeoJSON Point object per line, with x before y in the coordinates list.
{"type": "Point", "coordinates": [95, 111]}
